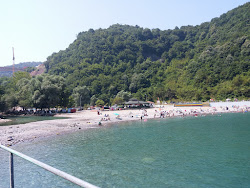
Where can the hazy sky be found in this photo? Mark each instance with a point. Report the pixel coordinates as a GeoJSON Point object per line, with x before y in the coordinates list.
{"type": "Point", "coordinates": [37, 28]}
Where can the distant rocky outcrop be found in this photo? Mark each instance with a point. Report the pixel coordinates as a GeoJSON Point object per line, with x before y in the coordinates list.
{"type": "Point", "coordinates": [39, 70]}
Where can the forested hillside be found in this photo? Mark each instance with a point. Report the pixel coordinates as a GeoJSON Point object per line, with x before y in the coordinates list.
{"type": "Point", "coordinates": [210, 60]}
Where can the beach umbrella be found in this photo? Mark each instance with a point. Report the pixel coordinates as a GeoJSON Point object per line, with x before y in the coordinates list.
{"type": "Point", "coordinates": [116, 114]}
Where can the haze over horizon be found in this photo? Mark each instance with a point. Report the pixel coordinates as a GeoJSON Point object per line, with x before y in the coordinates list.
{"type": "Point", "coordinates": [36, 29]}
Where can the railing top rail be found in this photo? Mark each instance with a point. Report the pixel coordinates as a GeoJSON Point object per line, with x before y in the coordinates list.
{"type": "Point", "coordinates": [60, 173]}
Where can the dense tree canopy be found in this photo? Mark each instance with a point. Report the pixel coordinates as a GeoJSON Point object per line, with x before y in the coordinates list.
{"type": "Point", "coordinates": [187, 63]}
{"type": "Point", "coordinates": [81, 95]}
{"type": "Point", "coordinates": [43, 91]}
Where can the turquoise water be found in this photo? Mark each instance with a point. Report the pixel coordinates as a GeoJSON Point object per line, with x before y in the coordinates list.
{"type": "Point", "coordinates": [15, 120]}
{"type": "Point", "coordinates": [211, 151]}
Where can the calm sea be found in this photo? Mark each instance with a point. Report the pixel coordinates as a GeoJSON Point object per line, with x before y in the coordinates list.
{"type": "Point", "coordinates": [208, 151]}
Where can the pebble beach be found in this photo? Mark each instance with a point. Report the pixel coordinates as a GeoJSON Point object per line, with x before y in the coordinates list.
{"type": "Point", "coordinates": [87, 119]}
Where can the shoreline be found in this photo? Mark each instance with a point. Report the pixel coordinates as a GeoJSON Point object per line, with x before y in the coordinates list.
{"type": "Point", "coordinates": [88, 119]}
{"type": "Point", "coordinates": [4, 120]}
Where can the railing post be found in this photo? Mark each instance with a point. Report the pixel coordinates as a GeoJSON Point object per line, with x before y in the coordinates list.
{"type": "Point", "coordinates": [51, 169]}
{"type": "Point", "coordinates": [11, 171]}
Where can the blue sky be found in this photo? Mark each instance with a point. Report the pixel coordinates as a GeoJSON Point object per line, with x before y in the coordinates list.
{"type": "Point", "coordinates": [38, 28]}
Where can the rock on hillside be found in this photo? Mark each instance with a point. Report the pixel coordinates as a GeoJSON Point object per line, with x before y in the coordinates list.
{"type": "Point", "coordinates": [39, 70]}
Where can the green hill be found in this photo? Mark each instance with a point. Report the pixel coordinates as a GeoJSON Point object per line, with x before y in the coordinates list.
{"type": "Point", "coordinates": [200, 62]}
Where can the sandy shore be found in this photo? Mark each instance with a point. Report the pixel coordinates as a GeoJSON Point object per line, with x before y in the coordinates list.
{"type": "Point", "coordinates": [79, 121]}
{"type": "Point", "coordinates": [4, 120]}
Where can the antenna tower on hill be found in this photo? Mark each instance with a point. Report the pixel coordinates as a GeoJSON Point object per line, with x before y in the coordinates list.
{"type": "Point", "coordinates": [13, 68]}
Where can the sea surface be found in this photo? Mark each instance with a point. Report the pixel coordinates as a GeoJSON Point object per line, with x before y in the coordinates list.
{"type": "Point", "coordinates": [207, 151]}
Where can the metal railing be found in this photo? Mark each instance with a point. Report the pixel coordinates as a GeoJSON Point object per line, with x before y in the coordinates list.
{"type": "Point", "coordinates": [51, 169]}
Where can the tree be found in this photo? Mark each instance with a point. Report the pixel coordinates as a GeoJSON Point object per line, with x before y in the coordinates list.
{"type": "Point", "coordinates": [138, 81]}
{"type": "Point", "coordinates": [93, 100]}
{"type": "Point", "coordinates": [47, 90]}
{"type": "Point", "coordinates": [125, 96]}
{"type": "Point", "coordinates": [24, 93]}
{"type": "Point", "coordinates": [117, 100]}
{"type": "Point", "coordinates": [20, 75]}
{"type": "Point", "coordinates": [81, 95]}
{"type": "Point", "coordinates": [99, 102]}
{"type": "Point", "coordinates": [2, 101]}
{"type": "Point", "coordinates": [10, 100]}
